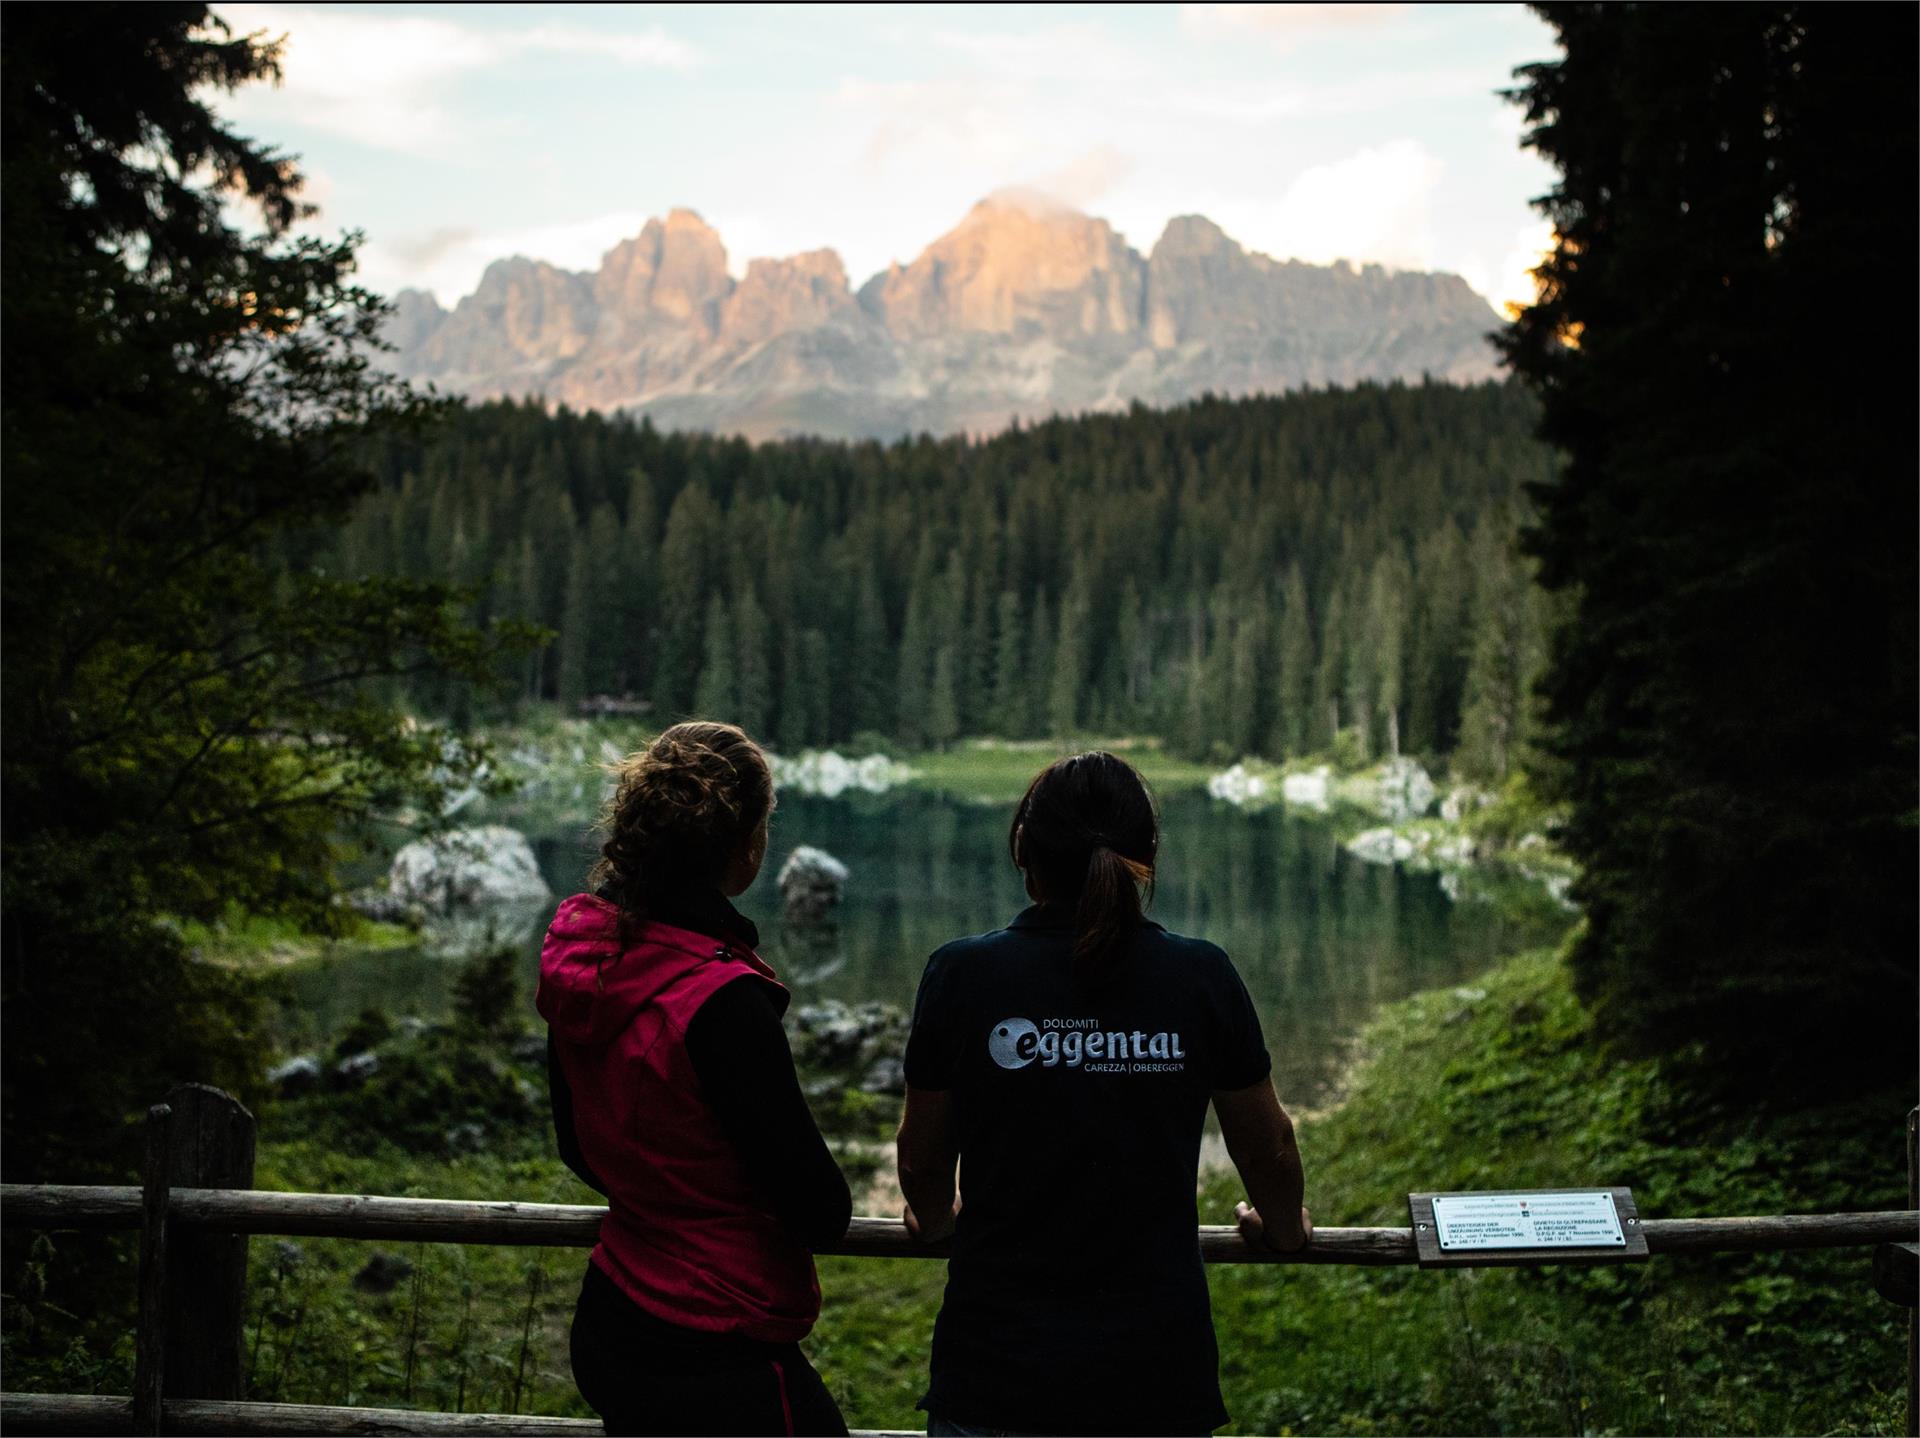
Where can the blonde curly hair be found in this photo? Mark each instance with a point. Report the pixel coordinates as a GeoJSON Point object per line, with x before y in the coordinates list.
{"type": "Point", "coordinates": [689, 801]}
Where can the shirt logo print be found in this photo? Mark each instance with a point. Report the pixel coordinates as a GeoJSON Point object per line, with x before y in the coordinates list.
{"type": "Point", "coordinates": [1014, 1043]}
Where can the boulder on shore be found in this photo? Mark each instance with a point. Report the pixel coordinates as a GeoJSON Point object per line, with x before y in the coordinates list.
{"type": "Point", "coordinates": [1309, 790]}
{"type": "Point", "coordinates": [1406, 789]}
{"type": "Point", "coordinates": [468, 868]}
{"type": "Point", "coordinates": [846, 1037]}
{"type": "Point", "coordinates": [811, 882]}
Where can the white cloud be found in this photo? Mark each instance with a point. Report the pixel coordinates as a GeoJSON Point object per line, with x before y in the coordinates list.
{"type": "Point", "coordinates": [376, 79]}
{"type": "Point", "coordinates": [651, 48]}
{"type": "Point", "coordinates": [1382, 90]}
{"type": "Point", "coordinates": [1087, 178]}
{"type": "Point", "coordinates": [1284, 26]}
{"type": "Point", "coordinates": [1065, 52]}
{"type": "Point", "coordinates": [450, 260]}
{"type": "Point", "coordinates": [1514, 284]}
{"type": "Point", "coordinates": [1374, 205]}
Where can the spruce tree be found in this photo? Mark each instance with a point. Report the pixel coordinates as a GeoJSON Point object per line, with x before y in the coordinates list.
{"type": "Point", "coordinates": [716, 696]}
{"type": "Point", "coordinates": [913, 673]}
{"type": "Point", "coordinates": [753, 672]}
{"type": "Point", "coordinates": [1328, 712]}
{"type": "Point", "coordinates": [1009, 716]}
{"type": "Point", "coordinates": [1066, 695]}
{"type": "Point", "coordinates": [1294, 685]}
{"type": "Point", "coordinates": [576, 624]}
{"type": "Point", "coordinates": [1035, 692]}
{"type": "Point", "coordinates": [687, 577]}
{"type": "Point", "coordinates": [943, 713]}
{"type": "Point", "coordinates": [871, 664]}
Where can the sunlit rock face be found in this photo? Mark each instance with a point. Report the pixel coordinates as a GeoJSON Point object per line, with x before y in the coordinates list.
{"type": "Point", "coordinates": [1025, 309]}
{"type": "Point", "coordinates": [1019, 266]}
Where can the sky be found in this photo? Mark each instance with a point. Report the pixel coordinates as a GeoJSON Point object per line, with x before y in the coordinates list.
{"type": "Point", "coordinates": [454, 135]}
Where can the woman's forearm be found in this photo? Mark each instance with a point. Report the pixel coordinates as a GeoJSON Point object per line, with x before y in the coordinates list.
{"type": "Point", "coordinates": [1260, 1142]}
{"type": "Point", "coordinates": [1276, 1184]}
{"type": "Point", "coordinates": [928, 1162]}
{"type": "Point", "coordinates": [929, 1190]}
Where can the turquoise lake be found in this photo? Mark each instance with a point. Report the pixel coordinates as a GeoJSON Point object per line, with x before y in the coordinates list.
{"type": "Point", "coordinates": [1322, 938]}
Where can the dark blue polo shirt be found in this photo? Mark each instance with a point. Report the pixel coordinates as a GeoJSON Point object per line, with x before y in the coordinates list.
{"type": "Point", "coordinates": [1076, 1301]}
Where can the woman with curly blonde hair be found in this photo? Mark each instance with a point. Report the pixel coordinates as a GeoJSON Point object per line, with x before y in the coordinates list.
{"type": "Point", "coordinates": [674, 1094]}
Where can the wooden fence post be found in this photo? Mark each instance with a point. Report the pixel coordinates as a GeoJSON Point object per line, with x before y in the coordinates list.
{"type": "Point", "coordinates": [1913, 1314]}
{"type": "Point", "coordinates": [150, 1336]}
{"type": "Point", "coordinates": [211, 1147]}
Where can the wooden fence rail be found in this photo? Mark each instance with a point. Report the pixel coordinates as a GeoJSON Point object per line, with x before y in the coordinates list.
{"type": "Point", "coordinates": [196, 1209]}
{"type": "Point", "coordinates": [559, 1225]}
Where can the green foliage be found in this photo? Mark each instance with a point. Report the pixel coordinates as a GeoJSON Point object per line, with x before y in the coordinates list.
{"type": "Point", "coordinates": [467, 1329]}
{"type": "Point", "coordinates": [1733, 702]}
{"type": "Point", "coordinates": [1348, 753]}
{"type": "Point", "coordinates": [192, 710]}
{"type": "Point", "coordinates": [486, 995]}
{"type": "Point", "coordinates": [369, 1030]}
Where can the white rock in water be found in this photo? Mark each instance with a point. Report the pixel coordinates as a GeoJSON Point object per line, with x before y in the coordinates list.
{"type": "Point", "coordinates": [1380, 846]}
{"type": "Point", "coordinates": [830, 775]}
{"type": "Point", "coordinates": [811, 882]}
{"type": "Point", "coordinates": [1309, 790]}
{"type": "Point", "coordinates": [1406, 789]}
{"type": "Point", "coordinates": [468, 868]}
{"type": "Point", "coordinates": [1237, 785]}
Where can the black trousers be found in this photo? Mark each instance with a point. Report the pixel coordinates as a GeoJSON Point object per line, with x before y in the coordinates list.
{"type": "Point", "coordinates": [643, 1375]}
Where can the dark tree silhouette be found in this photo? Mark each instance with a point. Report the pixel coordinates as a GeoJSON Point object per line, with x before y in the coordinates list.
{"type": "Point", "coordinates": [1723, 348]}
{"type": "Point", "coordinates": [186, 723]}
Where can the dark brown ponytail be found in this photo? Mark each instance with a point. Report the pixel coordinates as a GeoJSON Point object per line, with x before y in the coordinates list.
{"type": "Point", "coordinates": [1087, 834]}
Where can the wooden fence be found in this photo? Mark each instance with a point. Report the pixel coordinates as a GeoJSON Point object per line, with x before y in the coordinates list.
{"type": "Point", "coordinates": [196, 1208]}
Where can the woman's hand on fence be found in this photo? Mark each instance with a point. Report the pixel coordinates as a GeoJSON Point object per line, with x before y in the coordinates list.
{"type": "Point", "coordinates": [1254, 1231]}
{"type": "Point", "coordinates": [921, 1233]}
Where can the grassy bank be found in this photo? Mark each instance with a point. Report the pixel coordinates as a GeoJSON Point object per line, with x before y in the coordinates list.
{"type": "Point", "coordinates": [1501, 1085]}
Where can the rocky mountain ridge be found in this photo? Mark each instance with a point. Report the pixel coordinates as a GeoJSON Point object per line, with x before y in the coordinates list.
{"type": "Point", "coordinates": [1024, 309]}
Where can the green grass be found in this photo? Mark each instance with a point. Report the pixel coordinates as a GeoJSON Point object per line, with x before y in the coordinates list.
{"type": "Point", "coordinates": [1510, 1090]}
{"type": "Point", "coordinates": [247, 941]}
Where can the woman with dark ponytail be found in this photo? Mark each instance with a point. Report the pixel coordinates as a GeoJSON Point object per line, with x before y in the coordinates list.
{"type": "Point", "coordinates": [1065, 1063]}
{"type": "Point", "coordinates": [674, 1095]}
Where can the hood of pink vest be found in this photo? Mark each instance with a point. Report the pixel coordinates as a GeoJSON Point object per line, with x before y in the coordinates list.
{"type": "Point", "coordinates": [594, 978]}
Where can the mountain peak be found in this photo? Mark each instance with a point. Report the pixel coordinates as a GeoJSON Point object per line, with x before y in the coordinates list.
{"type": "Point", "coordinates": [674, 270]}
{"type": "Point", "coordinates": [680, 218]}
{"type": "Point", "coordinates": [1193, 235]}
{"type": "Point", "coordinates": [1024, 200]}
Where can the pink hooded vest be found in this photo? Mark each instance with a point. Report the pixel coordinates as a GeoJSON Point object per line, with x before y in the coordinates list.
{"type": "Point", "coordinates": [686, 1236]}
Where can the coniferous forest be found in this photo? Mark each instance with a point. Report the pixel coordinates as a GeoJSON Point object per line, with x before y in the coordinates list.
{"type": "Point", "coordinates": [1267, 576]}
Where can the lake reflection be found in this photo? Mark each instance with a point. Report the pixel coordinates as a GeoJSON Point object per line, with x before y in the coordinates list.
{"type": "Point", "coordinates": [1321, 938]}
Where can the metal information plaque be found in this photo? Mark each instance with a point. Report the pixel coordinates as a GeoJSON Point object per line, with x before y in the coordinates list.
{"type": "Point", "coordinates": [1512, 1220]}
{"type": "Point", "coordinates": [1575, 1225]}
